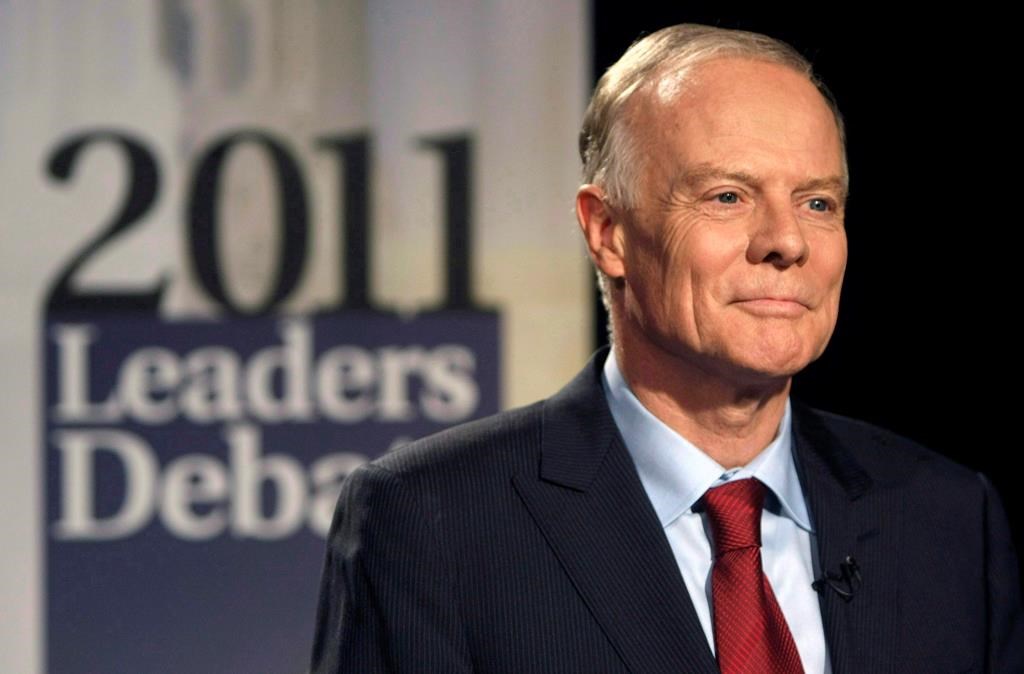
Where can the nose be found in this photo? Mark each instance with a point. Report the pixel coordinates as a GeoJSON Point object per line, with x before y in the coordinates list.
{"type": "Point", "coordinates": [778, 236]}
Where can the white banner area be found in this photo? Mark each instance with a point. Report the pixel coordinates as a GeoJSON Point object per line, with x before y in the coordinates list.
{"type": "Point", "coordinates": [248, 245]}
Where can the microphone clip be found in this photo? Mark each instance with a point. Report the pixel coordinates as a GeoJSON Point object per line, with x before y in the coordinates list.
{"type": "Point", "coordinates": [845, 583]}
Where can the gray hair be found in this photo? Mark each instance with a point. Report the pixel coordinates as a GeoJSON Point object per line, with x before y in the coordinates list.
{"type": "Point", "coordinates": [610, 152]}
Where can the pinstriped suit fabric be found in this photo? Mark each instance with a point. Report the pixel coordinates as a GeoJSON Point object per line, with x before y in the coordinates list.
{"type": "Point", "coordinates": [441, 571]}
{"type": "Point", "coordinates": [526, 543]}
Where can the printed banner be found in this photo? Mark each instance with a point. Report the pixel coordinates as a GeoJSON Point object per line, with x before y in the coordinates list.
{"type": "Point", "coordinates": [193, 468]}
{"type": "Point", "coordinates": [248, 246]}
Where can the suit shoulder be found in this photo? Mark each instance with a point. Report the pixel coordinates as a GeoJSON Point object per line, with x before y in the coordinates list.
{"type": "Point", "coordinates": [504, 439]}
{"type": "Point", "coordinates": [885, 454]}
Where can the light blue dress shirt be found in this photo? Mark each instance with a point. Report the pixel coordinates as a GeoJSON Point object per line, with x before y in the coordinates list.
{"type": "Point", "coordinates": [675, 474]}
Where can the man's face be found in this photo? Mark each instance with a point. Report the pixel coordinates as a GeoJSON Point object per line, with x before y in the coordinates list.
{"type": "Point", "coordinates": [735, 249]}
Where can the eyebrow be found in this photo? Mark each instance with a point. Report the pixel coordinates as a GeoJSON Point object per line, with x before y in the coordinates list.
{"type": "Point", "coordinates": [705, 171]}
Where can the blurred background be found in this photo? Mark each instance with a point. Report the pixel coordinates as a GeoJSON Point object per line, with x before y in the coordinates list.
{"type": "Point", "coordinates": [250, 244]}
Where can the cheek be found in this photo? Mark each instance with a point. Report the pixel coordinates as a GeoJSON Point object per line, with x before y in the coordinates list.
{"type": "Point", "coordinates": [646, 291]}
{"type": "Point", "coordinates": [829, 269]}
{"type": "Point", "coordinates": [831, 265]}
{"type": "Point", "coordinates": [832, 249]}
{"type": "Point", "coordinates": [715, 255]}
{"type": "Point", "coordinates": [657, 263]}
{"type": "Point", "coordinates": [682, 276]}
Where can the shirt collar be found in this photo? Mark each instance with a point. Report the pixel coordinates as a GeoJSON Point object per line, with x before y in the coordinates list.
{"type": "Point", "coordinates": [675, 473]}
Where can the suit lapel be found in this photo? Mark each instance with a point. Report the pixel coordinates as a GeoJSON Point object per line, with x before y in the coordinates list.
{"type": "Point", "coordinates": [591, 507]}
{"type": "Point", "coordinates": [852, 517]}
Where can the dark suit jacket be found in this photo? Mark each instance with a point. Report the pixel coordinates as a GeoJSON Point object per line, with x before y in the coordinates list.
{"type": "Point", "coordinates": [525, 542]}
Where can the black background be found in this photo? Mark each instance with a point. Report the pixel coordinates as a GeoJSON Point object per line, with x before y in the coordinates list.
{"type": "Point", "coordinates": [924, 340]}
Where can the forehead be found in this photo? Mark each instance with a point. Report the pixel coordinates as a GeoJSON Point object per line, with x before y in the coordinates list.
{"type": "Point", "coordinates": [748, 114]}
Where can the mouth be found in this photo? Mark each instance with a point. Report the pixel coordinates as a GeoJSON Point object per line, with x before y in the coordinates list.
{"type": "Point", "coordinates": [782, 307]}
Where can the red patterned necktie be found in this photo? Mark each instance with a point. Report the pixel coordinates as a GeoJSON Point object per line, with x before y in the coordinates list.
{"type": "Point", "coordinates": [751, 635]}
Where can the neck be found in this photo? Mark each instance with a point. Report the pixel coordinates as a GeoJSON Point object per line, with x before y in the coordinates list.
{"type": "Point", "coordinates": [728, 416]}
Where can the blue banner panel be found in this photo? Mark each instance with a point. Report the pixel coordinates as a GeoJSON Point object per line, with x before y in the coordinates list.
{"type": "Point", "coordinates": [192, 469]}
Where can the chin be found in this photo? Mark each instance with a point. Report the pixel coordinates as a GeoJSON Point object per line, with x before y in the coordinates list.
{"type": "Point", "coordinates": [761, 373]}
{"type": "Point", "coordinates": [748, 366]}
{"type": "Point", "coordinates": [777, 354]}
{"type": "Point", "coordinates": [765, 365]}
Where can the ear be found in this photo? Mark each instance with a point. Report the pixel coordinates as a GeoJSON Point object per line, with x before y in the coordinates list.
{"type": "Point", "coordinates": [602, 229]}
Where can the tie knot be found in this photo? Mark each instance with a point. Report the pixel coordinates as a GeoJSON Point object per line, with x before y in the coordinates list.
{"type": "Point", "coordinates": [734, 513]}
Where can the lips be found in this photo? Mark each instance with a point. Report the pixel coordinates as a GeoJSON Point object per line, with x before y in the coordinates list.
{"type": "Point", "coordinates": [780, 306]}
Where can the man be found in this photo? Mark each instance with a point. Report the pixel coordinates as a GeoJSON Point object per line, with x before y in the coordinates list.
{"type": "Point", "coordinates": [671, 510]}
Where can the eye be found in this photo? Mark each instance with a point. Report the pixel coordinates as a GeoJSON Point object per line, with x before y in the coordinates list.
{"type": "Point", "coordinates": [820, 205]}
{"type": "Point", "coordinates": [728, 198]}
